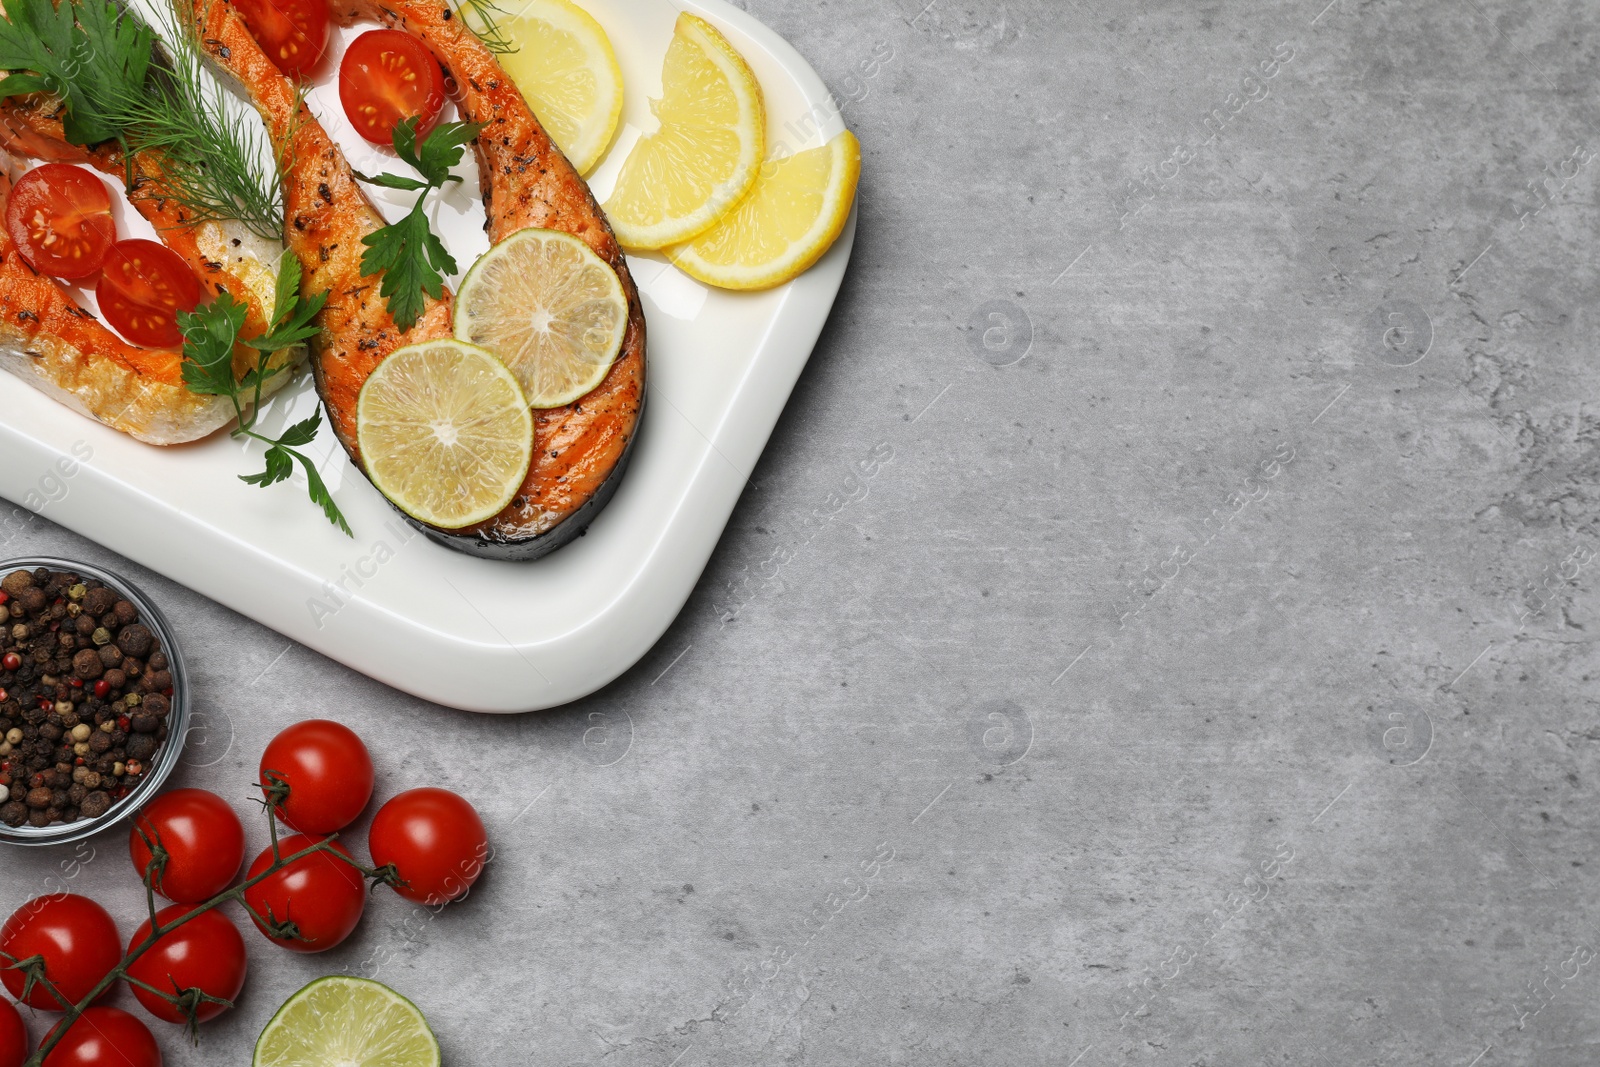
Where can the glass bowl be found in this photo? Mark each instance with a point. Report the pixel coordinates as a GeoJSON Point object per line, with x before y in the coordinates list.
{"type": "Point", "coordinates": [177, 717]}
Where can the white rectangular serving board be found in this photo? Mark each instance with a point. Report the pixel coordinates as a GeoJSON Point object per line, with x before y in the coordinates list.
{"type": "Point", "coordinates": [470, 633]}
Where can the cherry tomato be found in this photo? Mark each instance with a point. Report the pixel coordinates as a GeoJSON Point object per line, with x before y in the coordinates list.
{"type": "Point", "coordinates": [323, 896]}
{"type": "Point", "coordinates": [141, 290]}
{"type": "Point", "coordinates": [387, 76]}
{"type": "Point", "coordinates": [13, 1036]}
{"type": "Point", "coordinates": [105, 1037]}
{"type": "Point", "coordinates": [205, 953]}
{"type": "Point", "coordinates": [436, 842]}
{"type": "Point", "coordinates": [328, 773]}
{"type": "Point", "coordinates": [204, 842]}
{"type": "Point", "coordinates": [76, 937]}
{"type": "Point", "coordinates": [293, 33]}
{"type": "Point", "coordinates": [60, 218]}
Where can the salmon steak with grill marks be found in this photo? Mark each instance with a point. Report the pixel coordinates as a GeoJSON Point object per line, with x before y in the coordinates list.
{"type": "Point", "coordinates": [580, 450]}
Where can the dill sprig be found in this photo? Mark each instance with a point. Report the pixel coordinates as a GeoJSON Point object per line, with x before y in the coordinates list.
{"type": "Point", "coordinates": [115, 83]}
{"type": "Point", "coordinates": [216, 159]}
{"type": "Point", "coordinates": [480, 16]}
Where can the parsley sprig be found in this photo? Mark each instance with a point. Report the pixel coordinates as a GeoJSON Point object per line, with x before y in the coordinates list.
{"type": "Point", "coordinates": [412, 259]}
{"type": "Point", "coordinates": [83, 52]}
{"type": "Point", "coordinates": [210, 333]}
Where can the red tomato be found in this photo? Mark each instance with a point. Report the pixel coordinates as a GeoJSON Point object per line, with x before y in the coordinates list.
{"type": "Point", "coordinates": [436, 842]}
{"type": "Point", "coordinates": [60, 218]}
{"type": "Point", "coordinates": [293, 33]}
{"type": "Point", "coordinates": [324, 897]}
{"type": "Point", "coordinates": [13, 1037]}
{"type": "Point", "coordinates": [105, 1037]}
{"type": "Point", "coordinates": [141, 290]}
{"type": "Point", "coordinates": [205, 953]}
{"type": "Point", "coordinates": [386, 76]}
{"type": "Point", "coordinates": [76, 937]}
{"type": "Point", "coordinates": [328, 773]}
{"type": "Point", "coordinates": [204, 842]}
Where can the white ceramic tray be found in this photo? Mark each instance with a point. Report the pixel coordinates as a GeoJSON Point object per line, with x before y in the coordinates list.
{"type": "Point", "coordinates": [465, 632]}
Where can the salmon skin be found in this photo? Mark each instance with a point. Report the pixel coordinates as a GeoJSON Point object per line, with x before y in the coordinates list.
{"type": "Point", "coordinates": [581, 450]}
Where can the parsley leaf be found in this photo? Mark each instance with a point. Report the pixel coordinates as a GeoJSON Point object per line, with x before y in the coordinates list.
{"type": "Point", "coordinates": [86, 52]}
{"type": "Point", "coordinates": [291, 315]}
{"type": "Point", "coordinates": [441, 150]}
{"type": "Point", "coordinates": [210, 333]}
{"type": "Point", "coordinates": [410, 256]}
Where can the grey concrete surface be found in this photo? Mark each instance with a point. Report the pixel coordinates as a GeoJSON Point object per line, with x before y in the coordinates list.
{"type": "Point", "coordinates": [1200, 675]}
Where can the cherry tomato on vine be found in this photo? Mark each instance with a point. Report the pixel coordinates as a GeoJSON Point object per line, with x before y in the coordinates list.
{"type": "Point", "coordinates": [105, 1037]}
{"type": "Point", "coordinates": [203, 838]}
{"type": "Point", "coordinates": [387, 76]}
{"type": "Point", "coordinates": [293, 33]}
{"type": "Point", "coordinates": [142, 287]}
{"type": "Point", "coordinates": [77, 939]}
{"type": "Point", "coordinates": [59, 216]}
{"type": "Point", "coordinates": [436, 842]}
{"type": "Point", "coordinates": [323, 896]}
{"type": "Point", "coordinates": [13, 1036]}
{"type": "Point", "coordinates": [328, 773]}
{"type": "Point", "coordinates": [205, 953]}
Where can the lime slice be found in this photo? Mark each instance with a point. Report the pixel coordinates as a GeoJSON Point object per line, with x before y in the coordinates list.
{"type": "Point", "coordinates": [706, 154]}
{"type": "Point", "coordinates": [566, 69]}
{"type": "Point", "coordinates": [347, 1022]}
{"type": "Point", "coordinates": [444, 432]}
{"type": "Point", "coordinates": [549, 307]}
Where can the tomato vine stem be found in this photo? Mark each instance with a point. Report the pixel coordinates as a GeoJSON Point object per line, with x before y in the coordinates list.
{"type": "Point", "coordinates": [187, 1000]}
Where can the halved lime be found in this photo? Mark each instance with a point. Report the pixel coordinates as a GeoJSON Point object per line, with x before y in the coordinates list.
{"type": "Point", "coordinates": [444, 432]}
{"type": "Point", "coordinates": [348, 1022]}
{"type": "Point", "coordinates": [549, 307]}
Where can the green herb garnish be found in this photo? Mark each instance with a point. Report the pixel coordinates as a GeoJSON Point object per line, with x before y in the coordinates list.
{"type": "Point", "coordinates": [102, 62]}
{"type": "Point", "coordinates": [209, 335]}
{"type": "Point", "coordinates": [412, 259]}
{"type": "Point", "coordinates": [480, 17]}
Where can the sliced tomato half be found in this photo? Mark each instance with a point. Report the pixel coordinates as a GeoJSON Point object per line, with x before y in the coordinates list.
{"type": "Point", "coordinates": [59, 216]}
{"type": "Point", "coordinates": [387, 76]}
{"type": "Point", "coordinates": [142, 288]}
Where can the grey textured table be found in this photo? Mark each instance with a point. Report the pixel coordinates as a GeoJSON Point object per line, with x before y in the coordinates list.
{"type": "Point", "coordinates": [1160, 631]}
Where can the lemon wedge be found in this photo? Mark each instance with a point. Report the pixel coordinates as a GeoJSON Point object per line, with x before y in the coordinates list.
{"type": "Point", "coordinates": [552, 310]}
{"type": "Point", "coordinates": [707, 153]}
{"type": "Point", "coordinates": [444, 432]}
{"type": "Point", "coordinates": [568, 73]}
{"type": "Point", "coordinates": [794, 214]}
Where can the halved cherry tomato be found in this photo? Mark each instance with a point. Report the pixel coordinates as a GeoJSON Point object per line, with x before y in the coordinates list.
{"type": "Point", "coordinates": [387, 76]}
{"type": "Point", "coordinates": [293, 33]}
{"type": "Point", "coordinates": [205, 953]}
{"type": "Point", "coordinates": [105, 1037]}
{"type": "Point", "coordinates": [142, 288]}
{"type": "Point", "coordinates": [59, 216]}
{"type": "Point", "coordinates": [76, 938]}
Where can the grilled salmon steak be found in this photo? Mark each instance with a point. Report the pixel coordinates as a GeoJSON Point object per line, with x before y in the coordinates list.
{"type": "Point", "coordinates": [579, 450]}
{"type": "Point", "coordinates": [50, 341]}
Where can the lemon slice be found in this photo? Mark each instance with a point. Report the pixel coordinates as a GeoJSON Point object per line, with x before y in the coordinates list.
{"type": "Point", "coordinates": [352, 1022]}
{"type": "Point", "coordinates": [568, 73]}
{"type": "Point", "coordinates": [794, 214]}
{"type": "Point", "coordinates": [444, 432]}
{"type": "Point", "coordinates": [552, 310]}
{"type": "Point", "coordinates": [707, 153]}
